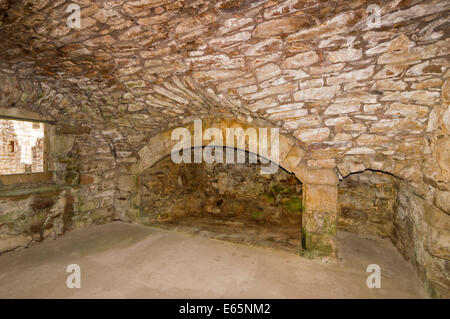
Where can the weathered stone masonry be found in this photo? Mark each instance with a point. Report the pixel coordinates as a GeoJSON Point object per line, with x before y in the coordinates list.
{"type": "Point", "coordinates": [349, 98]}
{"type": "Point", "coordinates": [380, 204]}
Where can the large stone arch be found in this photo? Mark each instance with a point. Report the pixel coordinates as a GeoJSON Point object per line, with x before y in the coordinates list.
{"type": "Point", "coordinates": [162, 145]}
{"type": "Point", "coordinates": [319, 184]}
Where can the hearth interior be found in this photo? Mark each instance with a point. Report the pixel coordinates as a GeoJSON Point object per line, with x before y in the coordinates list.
{"type": "Point", "coordinates": [234, 201]}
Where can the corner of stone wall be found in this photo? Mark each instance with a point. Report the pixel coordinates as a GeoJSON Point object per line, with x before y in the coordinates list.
{"type": "Point", "coordinates": [422, 234]}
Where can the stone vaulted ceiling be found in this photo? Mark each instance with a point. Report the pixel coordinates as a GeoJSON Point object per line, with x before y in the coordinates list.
{"type": "Point", "coordinates": [313, 68]}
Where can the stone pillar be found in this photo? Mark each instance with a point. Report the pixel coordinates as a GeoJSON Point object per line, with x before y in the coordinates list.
{"type": "Point", "coordinates": [319, 219]}
{"type": "Point", "coordinates": [319, 211]}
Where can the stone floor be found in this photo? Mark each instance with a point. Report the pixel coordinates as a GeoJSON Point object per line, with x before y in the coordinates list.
{"type": "Point", "coordinates": [134, 261]}
{"type": "Point", "coordinates": [240, 231]}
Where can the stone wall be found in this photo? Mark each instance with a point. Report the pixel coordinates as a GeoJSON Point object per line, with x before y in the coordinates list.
{"type": "Point", "coordinates": [421, 232]}
{"type": "Point", "coordinates": [366, 203]}
{"type": "Point", "coordinates": [228, 201]}
{"type": "Point", "coordinates": [38, 156]}
{"type": "Point", "coordinates": [380, 204]}
{"type": "Point", "coordinates": [93, 167]}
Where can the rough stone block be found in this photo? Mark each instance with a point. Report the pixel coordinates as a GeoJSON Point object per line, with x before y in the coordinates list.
{"type": "Point", "coordinates": [320, 198]}
{"type": "Point", "coordinates": [293, 157]}
{"type": "Point", "coordinates": [321, 176]}
{"type": "Point", "coordinates": [128, 183]}
{"type": "Point", "coordinates": [267, 71]}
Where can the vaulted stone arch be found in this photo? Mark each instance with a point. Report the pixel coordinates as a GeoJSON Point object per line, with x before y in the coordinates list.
{"type": "Point", "coordinates": [319, 184]}
{"type": "Point", "coordinates": [161, 145]}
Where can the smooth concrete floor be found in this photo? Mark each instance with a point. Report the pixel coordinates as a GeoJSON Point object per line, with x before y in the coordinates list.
{"type": "Point", "coordinates": [120, 260]}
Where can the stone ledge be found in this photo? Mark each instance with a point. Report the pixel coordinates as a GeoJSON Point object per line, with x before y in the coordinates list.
{"type": "Point", "coordinates": [17, 192]}
{"type": "Point", "coordinates": [27, 178]}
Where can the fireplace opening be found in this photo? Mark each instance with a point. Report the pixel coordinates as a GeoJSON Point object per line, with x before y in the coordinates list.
{"type": "Point", "coordinates": [233, 202]}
